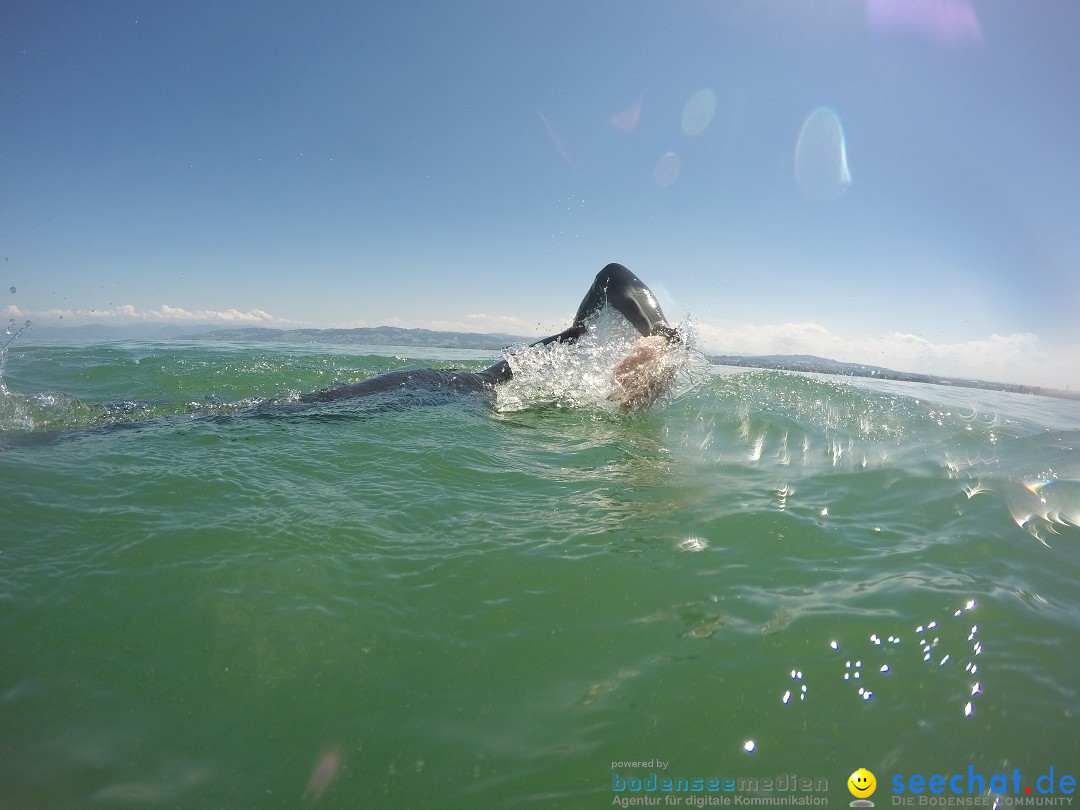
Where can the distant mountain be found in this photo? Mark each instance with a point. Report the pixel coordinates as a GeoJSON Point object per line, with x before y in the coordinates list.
{"type": "Point", "coordinates": [368, 336]}
{"type": "Point", "coordinates": [98, 331]}
{"type": "Point", "coordinates": [813, 364]}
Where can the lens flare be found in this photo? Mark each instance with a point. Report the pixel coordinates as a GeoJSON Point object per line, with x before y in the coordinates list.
{"type": "Point", "coordinates": [1044, 503]}
{"type": "Point", "coordinates": [948, 22]}
{"type": "Point", "coordinates": [559, 143]}
{"type": "Point", "coordinates": [667, 170]}
{"type": "Point", "coordinates": [325, 772]}
{"type": "Point", "coordinates": [821, 166]}
{"type": "Point", "coordinates": [698, 112]}
{"type": "Point", "coordinates": [626, 120]}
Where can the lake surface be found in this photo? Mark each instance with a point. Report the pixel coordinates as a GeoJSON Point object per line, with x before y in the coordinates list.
{"type": "Point", "coordinates": [214, 598]}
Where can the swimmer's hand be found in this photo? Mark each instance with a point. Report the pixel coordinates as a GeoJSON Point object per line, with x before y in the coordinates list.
{"type": "Point", "coordinates": [644, 374]}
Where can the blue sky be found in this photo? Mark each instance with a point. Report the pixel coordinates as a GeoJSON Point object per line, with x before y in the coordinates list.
{"type": "Point", "coordinates": [886, 181]}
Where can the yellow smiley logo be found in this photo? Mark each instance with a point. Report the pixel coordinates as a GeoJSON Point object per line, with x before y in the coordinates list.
{"type": "Point", "coordinates": [862, 784]}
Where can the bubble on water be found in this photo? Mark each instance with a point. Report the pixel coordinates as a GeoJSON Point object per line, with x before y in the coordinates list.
{"type": "Point", "coordinates": [821, 166]}
{"type": "Point", "coordinates": [749, 746]}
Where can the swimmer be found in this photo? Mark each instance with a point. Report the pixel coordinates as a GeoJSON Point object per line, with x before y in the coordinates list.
{"type": "Point", "coordinates": [642, 376]}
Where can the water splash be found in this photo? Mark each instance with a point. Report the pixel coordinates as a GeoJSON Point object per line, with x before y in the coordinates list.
{"type": "Point", "coordinates": [13, 412]}
{"type": "Point", "coordinates": [581, 375]}
{"type": "Point", "coordinates": [11, 334]}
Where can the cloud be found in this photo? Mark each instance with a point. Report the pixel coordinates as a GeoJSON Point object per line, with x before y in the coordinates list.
{"type": "Point", "coordinates": [127, 313]}
{"type": "Point", "coordinates": [166, 312]}
{"type": "Point", "coordinates": [1017, 358]}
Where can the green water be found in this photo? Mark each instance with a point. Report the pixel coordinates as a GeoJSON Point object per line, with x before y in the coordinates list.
{"type": "Point", "coordinates": [452, 606]}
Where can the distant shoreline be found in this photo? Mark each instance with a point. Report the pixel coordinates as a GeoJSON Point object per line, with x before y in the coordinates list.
{"type": "Point", "coordinates": [821, 365]}
{"type": "Point", "coordinates": [428, 338]}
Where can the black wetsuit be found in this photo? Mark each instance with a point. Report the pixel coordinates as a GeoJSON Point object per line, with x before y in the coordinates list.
{"type": "Point", "coordinates": [614, 285]}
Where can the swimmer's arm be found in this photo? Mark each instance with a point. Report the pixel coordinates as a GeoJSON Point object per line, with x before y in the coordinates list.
{"type": "Point", "coordinates": [644, 374]}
